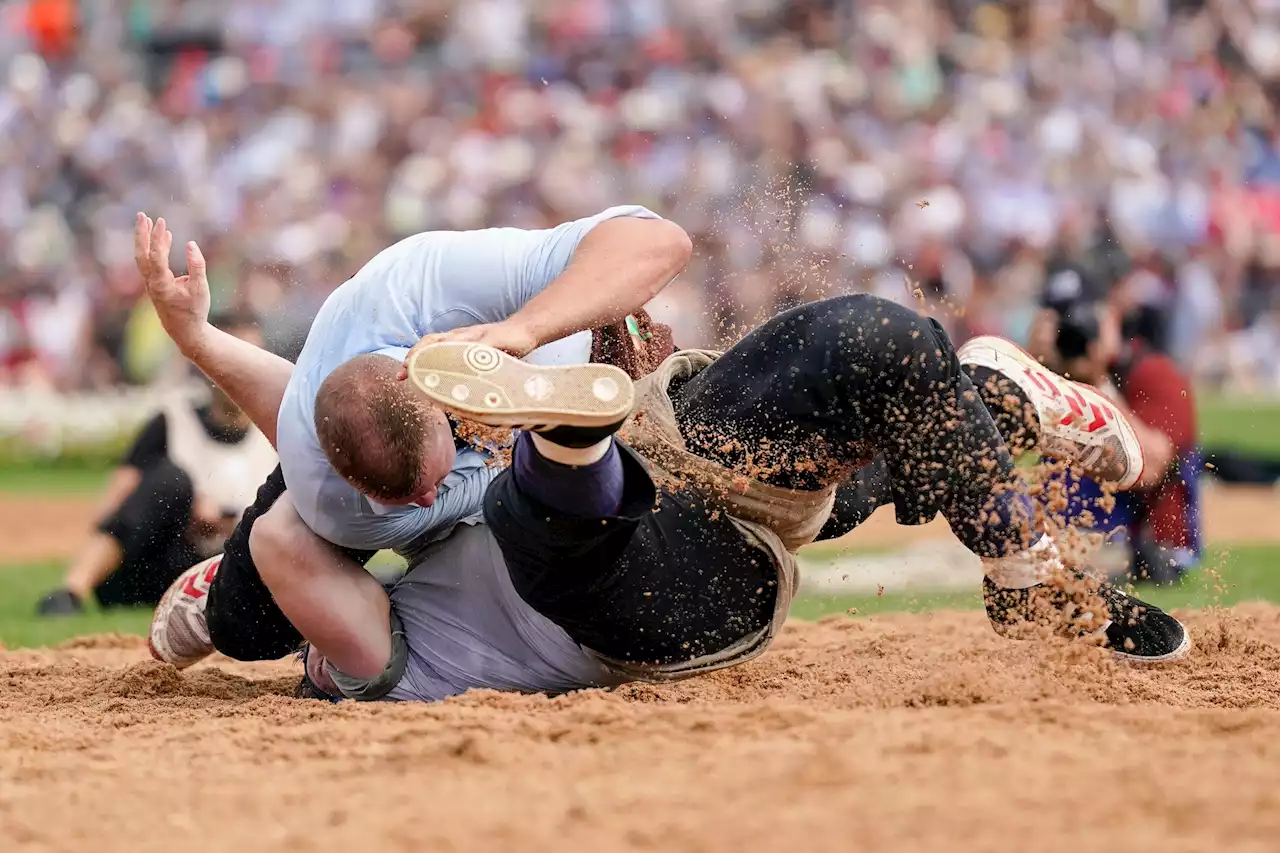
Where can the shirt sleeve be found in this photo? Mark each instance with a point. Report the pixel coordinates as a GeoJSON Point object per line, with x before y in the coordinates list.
{"type": "Point", "coordinates": [1160, 396]}
{"type": "Point", "coordinates": [361, 524]}
{"type": "Point", "coordinates": [151, 445]}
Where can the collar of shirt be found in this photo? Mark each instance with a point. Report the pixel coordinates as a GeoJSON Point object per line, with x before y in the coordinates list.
{"type": "Point", "coordinates": [468, 460]}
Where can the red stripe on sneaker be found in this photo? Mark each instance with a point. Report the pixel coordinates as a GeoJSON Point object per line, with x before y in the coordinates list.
{"type": "Point", "coordinates": [197, 584]}
{"type": "Point", "coordinates": [1077, 403]}
{"type": "Point", "coordinates": [190, 587]}
{"type": "Point", "coordinates": [1099, 420]}
{"type": "Point", "coordinates": [1044, 383]}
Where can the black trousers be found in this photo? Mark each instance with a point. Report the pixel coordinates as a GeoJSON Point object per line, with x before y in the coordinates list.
{"type": "Point", "coordinates": [800, 403]}
{"type": "Point", "coordinates": [151, 527]}
{"type": "Point", "coordinates": [666, 579]}
{"type": "Point", "coordinates": [820, 391]}
{"type": "Point", "coordinates": [842, 381]}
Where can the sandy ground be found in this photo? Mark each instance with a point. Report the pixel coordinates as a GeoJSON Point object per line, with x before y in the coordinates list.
{"type": "Point", "coordinates": [899, 733]}
{"type": "Point", "coordinates": [52, 528]}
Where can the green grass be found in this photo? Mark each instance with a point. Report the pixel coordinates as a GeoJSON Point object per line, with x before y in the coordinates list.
{"type": "Point", "coordinates": [1240, 425]}
{"type": "Point", "coordinates": [35, 480]}
{"type": "Point", "coordinates": [22, 586]}
{"type": "Point", "coordinates": [1229, 576]}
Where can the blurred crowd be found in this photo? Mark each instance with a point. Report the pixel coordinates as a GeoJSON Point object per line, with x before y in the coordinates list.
{"type": "Point", "coordinates": [975, 157]}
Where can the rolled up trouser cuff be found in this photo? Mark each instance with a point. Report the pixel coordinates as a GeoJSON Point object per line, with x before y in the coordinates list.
{"type": "Point", "coordinates": [372, 689]}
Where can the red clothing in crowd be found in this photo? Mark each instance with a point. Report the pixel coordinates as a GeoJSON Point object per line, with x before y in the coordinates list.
{"type": "Point", "coordinates": [1158, 392]}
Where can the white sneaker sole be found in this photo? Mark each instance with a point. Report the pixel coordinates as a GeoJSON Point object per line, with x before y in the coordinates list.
{"type": "Point", "coordinates": [478, 383]}
{"type": "Point", "coordinates": [1058, 438]}
{"type": "Point", "coordinates": [183, 595]}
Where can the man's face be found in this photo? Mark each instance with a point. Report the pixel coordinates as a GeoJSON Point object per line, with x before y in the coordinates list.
{"type": "Point", "coordinates": [439, 454]}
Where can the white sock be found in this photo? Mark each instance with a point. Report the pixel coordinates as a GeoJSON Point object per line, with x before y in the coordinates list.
{"type": "Point", "coordinates": [570, 455]}
{"type": "Point", "coordinates": [1025, 568]}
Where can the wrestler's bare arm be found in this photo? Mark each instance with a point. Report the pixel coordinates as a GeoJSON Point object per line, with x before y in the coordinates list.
{"type": "Point", "coordinates": [334, 603]}
{"type": "Point", "coordinates": [619, 266]}
{"type": "Point", "coordinates": [252, 377]}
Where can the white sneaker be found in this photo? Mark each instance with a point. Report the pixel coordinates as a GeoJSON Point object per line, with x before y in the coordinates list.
{"type": "Point", "coordinates": [1077, 423]}
{"type": "Point", "coordinates": [179, 631]}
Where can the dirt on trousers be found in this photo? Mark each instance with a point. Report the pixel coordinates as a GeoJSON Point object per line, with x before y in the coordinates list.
{"type": "Point", "coordinates": [905, 733]}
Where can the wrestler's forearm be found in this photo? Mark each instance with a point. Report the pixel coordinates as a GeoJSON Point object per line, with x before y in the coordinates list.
{"type": "Point", "coordinates": [617, 268]}
{"type": "Point", "coordinates": [252, 377]}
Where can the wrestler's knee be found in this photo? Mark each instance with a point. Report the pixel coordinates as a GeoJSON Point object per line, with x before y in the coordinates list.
{"type": "Point", "coordinates": [852, 318]}
{"type": "Point", "coordinates": [870, 333]}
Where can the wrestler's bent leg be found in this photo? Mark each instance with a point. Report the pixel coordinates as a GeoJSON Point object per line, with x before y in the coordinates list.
{"type": "Point", "coordinates": [823, 388]}
{"type": "Point", "coordinates": [150, 527]}
{"type": "Point", "coordinates": [626, 569]}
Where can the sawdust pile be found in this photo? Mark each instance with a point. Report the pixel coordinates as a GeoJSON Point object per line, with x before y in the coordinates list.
{"type": "Point", "coordinates": [895, 733]}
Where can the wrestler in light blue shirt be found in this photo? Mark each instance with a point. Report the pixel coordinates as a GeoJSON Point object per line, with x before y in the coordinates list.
{"type": "Point", "coordinates": [432, 282]}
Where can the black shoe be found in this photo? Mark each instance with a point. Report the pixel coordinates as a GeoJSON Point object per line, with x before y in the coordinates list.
{"type": "Point", "coordinates": [307, 690]}
{"type": "Point", "coordinates": [579, 437]}
{"type": "Point", "coordinates": [312, 664]}
{"type": "Point", "coordinates": [1134, 630]}
{"type": "Point", "coordinates": [60, 602]}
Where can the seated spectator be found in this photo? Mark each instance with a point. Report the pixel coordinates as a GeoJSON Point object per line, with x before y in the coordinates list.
{"type": "Point", "coordinates": [176, 495]}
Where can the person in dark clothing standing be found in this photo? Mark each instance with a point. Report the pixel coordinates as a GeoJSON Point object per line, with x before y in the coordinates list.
{"type": "Point", "coordinates": [177, 493]}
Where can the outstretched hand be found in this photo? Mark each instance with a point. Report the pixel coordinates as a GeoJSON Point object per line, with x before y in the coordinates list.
{"type": "Point", "coordinates": [181, 302]}
{"type": "Point", "coordinates": [509, 336]}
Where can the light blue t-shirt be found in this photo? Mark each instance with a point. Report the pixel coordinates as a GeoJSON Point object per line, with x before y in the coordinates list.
{"type": "Point", "coordinates": [431, 282]}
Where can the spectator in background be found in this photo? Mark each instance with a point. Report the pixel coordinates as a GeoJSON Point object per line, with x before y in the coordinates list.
{"type": "Point", "coordinates": [175, 497]}
{"type": "Point", "coordinates": [1153, 530]}
{"type": "Point", "coordinates": [52, 24]}
{"type": "Point", "coordinates": [812, 146]}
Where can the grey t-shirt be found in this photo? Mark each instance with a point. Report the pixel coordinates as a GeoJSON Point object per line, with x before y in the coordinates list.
{"type": "Point", "coordinates": [466, 627]}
